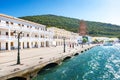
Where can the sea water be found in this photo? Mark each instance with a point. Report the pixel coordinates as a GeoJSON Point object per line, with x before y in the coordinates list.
{"type": "Point", "coordinates": [98, 63]}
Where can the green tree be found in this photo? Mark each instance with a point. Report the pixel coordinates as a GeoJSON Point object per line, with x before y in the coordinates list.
{"type": "Point", "coordinates": [84, 40]}
{"type": "Point", "coordinates": [118, 37]}
{"type": "Point", "coordinates": [72, 24]}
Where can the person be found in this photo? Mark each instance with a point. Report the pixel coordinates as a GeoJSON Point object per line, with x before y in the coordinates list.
{"type": "Point", "coordinates": [70, 45]}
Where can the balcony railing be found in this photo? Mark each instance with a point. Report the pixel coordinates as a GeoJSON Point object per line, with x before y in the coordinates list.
{"type": "Point", "coordinates": [34, 39]}
{"type": "Point", "coordinates": [3, 25]}
{"type": "Point", "coordinates": [4, 37]}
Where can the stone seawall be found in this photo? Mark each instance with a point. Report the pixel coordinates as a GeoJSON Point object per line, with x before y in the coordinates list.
{"type": "Point", "coordinates": [27, 72]}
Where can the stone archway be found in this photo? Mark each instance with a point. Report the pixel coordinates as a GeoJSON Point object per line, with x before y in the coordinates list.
{"type": "Point", "coordinates": [48, 66]}
{"type": "Point", "coordinates": [76, 54]}
{"type": "Point", "coordinates": [66, 58]}
{"type": "Point", "coordinates": [47, 43]}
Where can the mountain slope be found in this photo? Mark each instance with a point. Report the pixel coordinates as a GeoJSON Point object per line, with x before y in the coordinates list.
{"type": "Point", "coordinates": [72, 24]}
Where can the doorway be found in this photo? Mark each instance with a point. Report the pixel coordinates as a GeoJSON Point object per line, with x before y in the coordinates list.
{"type": "Point", "coordinates": [6, 33]}
{"type": "Point", "coordinates": [0, 45]}
{"type": "Point", "coordinates": [42, 44]}
{"type": "Point", "coordinates": [6, 45]}
{"type": "Point", "coordinates": [12, 45]}
{"type": "Point", "coordinates": [27, 44]}
{"type": "Point", "coordinates": [11, 34]}
{"type": "Point", "coordinates": [23, 45]}
{"type": "Point", "coordinates": [36, 45]}
{"type": "Point", "coordinates": [47, 44]}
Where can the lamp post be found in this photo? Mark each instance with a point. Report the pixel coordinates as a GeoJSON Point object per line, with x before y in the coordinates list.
{"type": "Point", "coordinates": [18, 36]}
{"type": "Point", "coordinates": [64, 44]}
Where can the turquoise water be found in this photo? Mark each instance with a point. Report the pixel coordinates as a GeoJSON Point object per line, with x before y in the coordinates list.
{"type": "Point", "coordinates": [98, 63]}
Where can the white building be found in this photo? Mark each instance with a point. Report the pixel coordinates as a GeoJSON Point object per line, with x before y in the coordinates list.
{"type": "Point", "coordinates": [34, 35]}
{"type": "Point", "coordinates": [60, 34]}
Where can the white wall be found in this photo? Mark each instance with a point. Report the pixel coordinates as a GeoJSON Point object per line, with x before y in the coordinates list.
{"type": "Point", "coordinates": [3, 45]}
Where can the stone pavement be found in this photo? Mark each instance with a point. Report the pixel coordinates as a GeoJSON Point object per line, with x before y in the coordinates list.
{"type": "Point", "coordinates": [32, 57]}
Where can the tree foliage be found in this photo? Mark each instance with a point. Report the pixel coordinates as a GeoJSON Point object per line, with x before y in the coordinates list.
{"type": "Point", "coordinates": [72, 24]}
{"type": "Point", "coordinates": [84, 40]}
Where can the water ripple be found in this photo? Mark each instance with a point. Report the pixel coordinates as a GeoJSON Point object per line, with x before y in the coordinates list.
{"type": "Point", "coordinates": [99, 63]}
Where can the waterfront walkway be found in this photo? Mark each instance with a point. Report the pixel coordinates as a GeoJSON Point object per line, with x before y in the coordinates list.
{"type": "Point", "coordinates": [32, 57]}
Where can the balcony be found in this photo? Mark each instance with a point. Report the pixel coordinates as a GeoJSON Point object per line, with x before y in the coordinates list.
{"type": "Point", "coordinates": [3, 25]}
{"type": "Point", "coordinates": [4, 37]}
{"type": "Point", "coordinates": [25, 38]}
{"type": "Point", "coordinates": [34, 39]}
{"type": "Point", "coordinates": [25, 29]}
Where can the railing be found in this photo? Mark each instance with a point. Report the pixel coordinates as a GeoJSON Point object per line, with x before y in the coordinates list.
{"type": "Point", "coordinates": [34, 39]}
{"type": "Point", "coordinates": [4, 37]}
{"type": "Point", "coordinates": [3, 25]}
{"type": "Point", "coordinates": [25, 29]}
{"type": "Point", "coordinates": [35, 31]}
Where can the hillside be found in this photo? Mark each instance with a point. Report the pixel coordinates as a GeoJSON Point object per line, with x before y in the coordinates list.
{"type": "Point", "coordinates": [72, 24]}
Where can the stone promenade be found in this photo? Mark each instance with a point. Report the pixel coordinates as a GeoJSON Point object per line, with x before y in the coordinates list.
{"type": "Point", "coordinates": [32, 57]}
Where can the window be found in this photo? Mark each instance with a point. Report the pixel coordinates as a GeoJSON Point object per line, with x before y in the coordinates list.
{"type": "Point", "coordinates": [11, 23]}
{"type": "Point", "coordinates": [35, 35]}
{"type": "Point", "coordinates": [12, 34]}
{"type": "Point", "coordinates": [27, 35]}
{"type": "Point", "coordinates": [7, 22]}
{"type": "Point", "coordinates": [27, 26]}
{"type": "Point", "coordinates": [22, 25]}
{"type": "Point", "coordinates": [36, 27]}
{"type": "Point", "coordinates": [6, 33]}
{"type": "Point", "coordinates": [19, 25]}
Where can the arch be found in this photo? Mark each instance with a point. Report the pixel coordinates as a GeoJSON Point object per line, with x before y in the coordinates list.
{"type": "Point", "coordinates": [82, 51]}
{"type": "Point", "coordinates": [17, 78]}
{"type": "Point", "coordinates": [85, 49]}
{"type": "Point", "coordinates": [42, 44]}
{"type": "Point", "coordinates": [66, 58]}
{"type": "Point", "coordinates": [47, 43]}
{"type": "Point", "coordinates": [28, 45]}
{"type": "Point", "coordinates": [76, 54]}
{"type": "Point", "coordinates": [48, 66]}
{"type": "Point", "coordinates": [6, 45]}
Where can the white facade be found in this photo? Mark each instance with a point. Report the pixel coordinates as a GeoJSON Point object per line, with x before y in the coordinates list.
{"type": "Point", "coordinates": [34, 35]}
{"type": "Point", "coordinates": [60, 34]}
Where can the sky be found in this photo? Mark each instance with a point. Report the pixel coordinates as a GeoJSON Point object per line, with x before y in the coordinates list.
{"type": "Point", "coordinates": [107, 11]}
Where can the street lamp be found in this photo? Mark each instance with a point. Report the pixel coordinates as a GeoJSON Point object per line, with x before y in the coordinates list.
{"type": "Point", "coordinates": [18, 36]}
{"type": "Point", "coordinates": [64, 44]}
